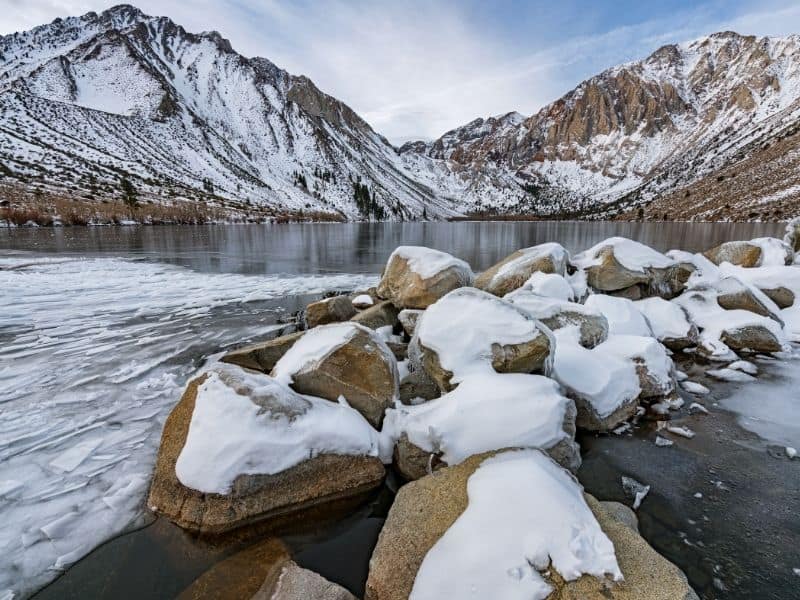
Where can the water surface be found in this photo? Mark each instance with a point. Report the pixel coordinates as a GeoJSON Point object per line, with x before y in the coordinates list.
{"type": "Point", "coordinates": [102, 326]}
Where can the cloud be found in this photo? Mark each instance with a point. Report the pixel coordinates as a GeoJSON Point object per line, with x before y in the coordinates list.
{"type": "Point", "coordinates": [415, 69]}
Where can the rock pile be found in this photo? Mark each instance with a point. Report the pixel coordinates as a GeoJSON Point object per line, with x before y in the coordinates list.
{"type": "Point", "coordinates": [475, 394]}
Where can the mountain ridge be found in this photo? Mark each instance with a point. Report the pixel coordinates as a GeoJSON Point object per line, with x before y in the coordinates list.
{"type": "Point", "coordinates": [87, 101]}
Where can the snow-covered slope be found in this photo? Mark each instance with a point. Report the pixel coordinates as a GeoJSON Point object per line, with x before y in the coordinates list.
{"type": "Point", "coordinates": [707, 129]}
{"type": "Point", "coordinates": [635, 133]}
{"type": "Point", "coordinates": [87, 100]}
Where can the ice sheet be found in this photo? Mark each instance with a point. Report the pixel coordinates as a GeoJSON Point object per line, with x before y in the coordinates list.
{"type": "Point", "coordinates": [94, 355]}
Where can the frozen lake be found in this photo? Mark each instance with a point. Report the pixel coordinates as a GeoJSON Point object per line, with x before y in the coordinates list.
{"type": "Point", "coordinates": [101, 327]}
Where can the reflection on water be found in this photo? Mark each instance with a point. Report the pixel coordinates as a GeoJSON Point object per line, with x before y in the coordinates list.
{"type": "Point", "coordinates": [359, 247]}
{"type": "Point", "coordinates": [98, 349]}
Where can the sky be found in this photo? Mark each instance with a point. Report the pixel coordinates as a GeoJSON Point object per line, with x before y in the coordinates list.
{"type": "Point", "coordinates": [415, 69]}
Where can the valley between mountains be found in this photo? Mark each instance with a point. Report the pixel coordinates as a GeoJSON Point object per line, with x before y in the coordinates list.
{"type": "Point", "coordinates": [120, 105]}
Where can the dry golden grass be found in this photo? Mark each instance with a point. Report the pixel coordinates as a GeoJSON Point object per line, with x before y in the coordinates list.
{"type": "Point", "coordinates": [20, 206]}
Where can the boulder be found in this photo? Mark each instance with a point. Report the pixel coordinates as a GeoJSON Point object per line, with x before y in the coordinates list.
{"type": "Point", "coordinates": [760, 252]}
{"type": "Point", "coordinates": [781, 296]}
{"type": "Point", "coordinates": [329, 310]}
{"type": "Point", "coordinates": [722, 331]}
{"type": "Point", "coordinates": [416, 277]}
{"type": "Point", "coordinates": [408, 319]}
{"type": "Point", "coordinates": [648, 575]}
{"type": "Point", "coordinates": [605, 387]}
{"type": "Point", "coordinates": [262, 356]}
{"type": "Point", "coordinates": [653, 366]}
{"type": "Point", "coordinates": [343, 359]}
{"type": "Point", "coordinates": [471, 331]}
{"type": "Point", "coordinates": [229, 479]}
{"type": "Point", "coordinates": [618, 264]}
{"type": "Point", "coordinates": [485, 412]}
{"type": "Point", "coordinates": [296, 583]}
{"type": "Point", "coordinates": [555, 314]}
{"type": "Point", "coordinates": [622, 315]}
{"type": "Point", "coordinates": [263, 571]}
{"type": "Point", "coordinates": [627, 269]}
{"type": "Point", "coordinates": [743, 254]}
{"type": "Point", "coordinates": [671, 281]}
{"type": "Point", "coordinates": [734, 295]}
{"type": "Point", "coordinates": [362, 301]}
{"type": "Point", "coordinates": [550, 285]}
{"type": "Point", "coordinates": [754, 338]}
{"type": "Point", "coordinates": [792, 238]}
{"type": "Point", "coordinates": [514, 270]}
{"type": "Point", "coordinates": [620, 512]}
{"type": "Point", "coordinates": [426, 509]}
{"type": "Point", "coordinates": [417, 386]}
{"type": "Point", "coordinates": [633, 292]}
{"type": "Point", "coordinates": [399, 350]}
{"type": "Point", "coordinates": [669, 322]}
{"type": "Point", "coordinates": [382, 314]}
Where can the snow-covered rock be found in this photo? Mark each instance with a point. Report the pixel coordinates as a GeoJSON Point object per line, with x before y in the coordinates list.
{"type": "Point", "coordinates": [416, 277]}
{"type": "Point", "coordinates": [343, 360]}
{"type": "Point", "coordinates": [547, 526]}
{"type": "Point", "coordinates": [241, 447]}
{"type": "Point", "coordinates": [760, 252]}
{"type": "Point", "coordinates": [329, 310]}
{"type": "Point", "coordinates": [724, 331]}
{"type": "Point", "coordinates": [605, 388]}
{"type": "Point", "coordinates": [556, 314]}
{"type": "Point", "coordinates": [516, 269]}
{"type": "Point", "coordinates": [408, 318]}
{"type": "Point", "coordinates": [262, 356]}
{"type": "Point", "coordinates": [470, 332]}
{"type": "Point", "coordinates": [362, 301]}
{"type": "Point", "coordinates": [550, 285]}
{"type": "Point", "coordinates": [629, 268]}
{"type": "Point", "coordinates": [669, 322]}
{"type": "Point", "coordinates": [485, 412]}
{"type": "Point", "coordinates": [735, 295]}
{"type": "Point", "coordinates": [624, 318]}
{"type": "Point", "coordinates": [653, 365]}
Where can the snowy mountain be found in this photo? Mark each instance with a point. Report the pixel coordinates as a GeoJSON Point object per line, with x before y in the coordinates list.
{"type": "Point", "coordinates": [86, 101]}
{"type": "Point", "coordinates": [668, 133]}
{"type": "Point", "coordinates": [707, 129]}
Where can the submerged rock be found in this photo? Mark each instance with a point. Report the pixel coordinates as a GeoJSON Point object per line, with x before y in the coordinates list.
{"type": "Point", "coordinates": [347, 360]}
{"type": "Point", "coordinates": [517, 268]}
{"type": "Point", "coordinates": [264, 571]}
{"type": "Point", "coordinates": [416, 277]}
{"type": "Point", "coordinates": [233, 477]}
{"type": "Point", "coordinates": [329, 310]}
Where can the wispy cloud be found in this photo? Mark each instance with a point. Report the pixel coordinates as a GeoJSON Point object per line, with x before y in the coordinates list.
{"type": "Point", "coordinates": [415, 69]}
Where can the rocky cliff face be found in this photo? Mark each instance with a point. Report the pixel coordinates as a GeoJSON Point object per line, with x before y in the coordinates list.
{"type": "Point", "coordinates": [704, 129]}
{"type": "Point", "coordinates": [635, 133]}
{"type": "Point", "coordinates": [85, 101]}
